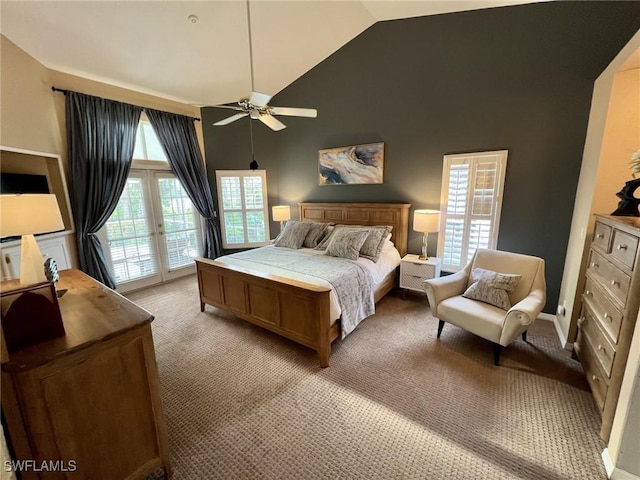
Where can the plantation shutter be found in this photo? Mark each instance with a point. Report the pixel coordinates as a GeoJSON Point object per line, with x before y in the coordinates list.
{"type": "Point", "coordinates": [472, 186]}
{"type": "Point", "coordinates": [242, 199]}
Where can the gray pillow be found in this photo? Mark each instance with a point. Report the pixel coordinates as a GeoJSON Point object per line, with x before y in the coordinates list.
{"type": "Point", "coordinates": [375, 241]}
{"type": "Point", "coordinates": [316, 233]}
{"type": "Point", "coordinates": [346, 243]}
{"type": "Point", "coordinates": [293, 234]}
{"type": "Point", "coordinates": [492, 287]}
{"type": "Point", "coordinates": [377, 235]}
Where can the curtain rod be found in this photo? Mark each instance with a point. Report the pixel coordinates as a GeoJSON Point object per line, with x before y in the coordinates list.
{"type": "Point", "coordinates": [61, 90]}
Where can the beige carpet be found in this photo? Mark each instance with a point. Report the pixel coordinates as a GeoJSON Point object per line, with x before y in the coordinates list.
{"type": "Point", "coordinates": [396, 403]}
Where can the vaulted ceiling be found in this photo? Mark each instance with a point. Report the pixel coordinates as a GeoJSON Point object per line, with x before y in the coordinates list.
{"type": "Point", "coordinates": [158, 47]}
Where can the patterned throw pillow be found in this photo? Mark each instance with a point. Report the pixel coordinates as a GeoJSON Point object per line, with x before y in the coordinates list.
{"type": "Point", "coordinates": [492, 287]}
{"type": "Point", "coordinates": [346, 243]}
{"type": "Point", "coordinates": [293, 234]}
{"type": "Point", "coordinates": [316, 233]}
{"type": "Point", "coordinates": [377, 235]}
{"type": "Point", "coordinates": [375, 241]}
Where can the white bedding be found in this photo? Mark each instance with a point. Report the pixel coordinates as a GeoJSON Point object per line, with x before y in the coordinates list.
{"type": "Point", "coordinates": [388, 261]}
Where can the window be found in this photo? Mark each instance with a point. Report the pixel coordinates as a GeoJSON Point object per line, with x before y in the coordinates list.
{"type": "Point", "coordinates": [147, 144]}
{"type": "Point", "coordinates": [472, 186]}
{"type": "Point", "coordinates": [242, 197]}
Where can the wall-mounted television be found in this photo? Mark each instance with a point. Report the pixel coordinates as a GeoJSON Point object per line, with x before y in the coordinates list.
{"type": "Point", "coordinates": [23, 183]}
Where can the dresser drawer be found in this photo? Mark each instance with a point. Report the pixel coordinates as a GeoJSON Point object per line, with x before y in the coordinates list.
{"type": "Point", "coordinates": [595, 377]}
{"type": "Point", "coordinates": [609, 276]}
{"type": "Point", "coordinates": [602, 348]}
{"type": "Point", "coordinates": [624, 248]}
{"type": "Point", "coordinates": [609, 316]}
{"type": "Point", "coordinates": [602, 236]}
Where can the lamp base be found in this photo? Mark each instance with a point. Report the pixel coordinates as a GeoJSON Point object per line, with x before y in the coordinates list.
{"type": "Point", "coordinates": [423, 253]}
{"type": "Point", "coordinates": [31, 262]}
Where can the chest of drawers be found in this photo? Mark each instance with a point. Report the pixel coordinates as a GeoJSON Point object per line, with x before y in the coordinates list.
{"type": "Point", "coordinates": [609, 310]}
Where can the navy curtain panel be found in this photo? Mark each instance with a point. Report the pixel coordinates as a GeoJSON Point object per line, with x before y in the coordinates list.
{"type": "Point", "coordinates": [101, 136]}
{"type": "Point", "coordinates": [177, 136]}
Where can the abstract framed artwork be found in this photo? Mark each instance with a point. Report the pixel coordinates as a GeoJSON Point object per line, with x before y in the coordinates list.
{"type": "Point", "coordinates": [354, 165]}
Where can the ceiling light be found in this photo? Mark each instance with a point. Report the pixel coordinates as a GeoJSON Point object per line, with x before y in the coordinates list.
{"type": "Point", "coordinates": [193, 18]}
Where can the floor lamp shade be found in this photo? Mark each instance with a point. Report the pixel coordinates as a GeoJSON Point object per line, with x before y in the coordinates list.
{"type": "Point", "coordinates": [281, 213]}
{"type": "Point", "coordinates": [426, 221]}
{"type": "Point", "coordinates": [28, 215]}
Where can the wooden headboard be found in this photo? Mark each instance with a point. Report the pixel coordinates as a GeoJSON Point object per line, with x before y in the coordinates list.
{"type": "Point", "coordinates": [394, 214]}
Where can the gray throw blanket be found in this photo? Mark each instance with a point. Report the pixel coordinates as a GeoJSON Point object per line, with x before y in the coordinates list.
{"type": "Point", "coordinates": [351, 282]}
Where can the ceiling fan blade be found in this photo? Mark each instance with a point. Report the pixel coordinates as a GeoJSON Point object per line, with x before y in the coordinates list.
{"type": "Point", "coordinates": [230, 107]}
{"type": "Point", "coordinates": [294, 112]}
{"type": "Point", "coordinates": [230, 119]}
{"type": "Point", "coordinates": [271, 122]}
{"type": "Point", "coordinates": [259, 99]}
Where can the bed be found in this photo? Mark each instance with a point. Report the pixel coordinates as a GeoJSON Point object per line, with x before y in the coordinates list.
{"type": "Point", "coordinates": [292, 308]}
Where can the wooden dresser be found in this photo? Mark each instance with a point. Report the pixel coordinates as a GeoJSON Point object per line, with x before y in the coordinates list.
{"type": "Point", "coordinates": [609, 310]}
{"type": "Point", "coordinates": [89, 400]}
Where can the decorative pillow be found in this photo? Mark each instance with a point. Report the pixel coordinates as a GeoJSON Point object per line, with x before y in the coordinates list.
{"type": "Point", "coordinates": [293, 234]}
{"type": "Point", "coordinates": [492, 287]}
{"type": "Point", "coordinates": [316, 233]}
{"type": "Point", "coordinates": [375, 241]}
{"type": "Point", "coordinates": [346, 243]}
{"type": "Point", "coordinates": [373, 244]}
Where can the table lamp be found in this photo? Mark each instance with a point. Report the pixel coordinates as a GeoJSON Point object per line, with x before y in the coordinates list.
{"type": "Point", "coordinates": [27, 215]}
{"type": "Point", "coordinates": [426, 221]}
{"type": "Point", "coordinates": [281, 213]}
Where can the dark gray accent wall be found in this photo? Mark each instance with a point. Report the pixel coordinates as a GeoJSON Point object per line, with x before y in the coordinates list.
{"type": "Point", "coordinates": [517, 78]}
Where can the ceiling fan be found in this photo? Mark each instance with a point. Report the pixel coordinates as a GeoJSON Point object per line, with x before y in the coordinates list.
{"type": "Point", "coordinates": [256, 106]}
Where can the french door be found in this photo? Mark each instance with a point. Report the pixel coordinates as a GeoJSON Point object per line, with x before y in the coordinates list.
{"type": "Point", "coordinates": [154, 233]}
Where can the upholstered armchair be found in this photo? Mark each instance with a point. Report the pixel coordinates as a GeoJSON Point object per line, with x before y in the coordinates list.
{"type": "Point", "coordinates": [513, 281]}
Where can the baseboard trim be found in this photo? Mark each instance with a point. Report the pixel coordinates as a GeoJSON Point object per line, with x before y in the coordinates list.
{"type": "Point", "coordinates": [608, 464]}
{"type": "Point", "coordinates": [547, 316]}
{"type": "Point", "coordinates": [552, 318]}
{"type": "Point", "coordinates": [615, 473]}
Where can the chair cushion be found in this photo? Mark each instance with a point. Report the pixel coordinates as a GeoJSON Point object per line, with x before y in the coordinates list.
{"type": "Point", "coordinates": [492, 287]}
{"type": "Point", "coordinates": [476, 317]}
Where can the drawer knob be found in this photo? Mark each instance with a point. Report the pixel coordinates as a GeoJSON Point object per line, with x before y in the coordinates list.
{"type": "Point", "coordinates": [599, 235]}
{"type": "Point", "coordinates": [594, 378]}
{"type": "Point", "coordinates": [615, 283]}
{"type": "Point", "coordinates": [622, 247]}
{"type": "Point", "coordinates": [588, 293]}
{"type": "Point", "coordinates": [607, 316]}
{"type": "Point", "coordinates": [595, 265]}
{"type": "Point", "coordinates": [599, 347]}
{"type": "Point", "coordinates": [581, 321]}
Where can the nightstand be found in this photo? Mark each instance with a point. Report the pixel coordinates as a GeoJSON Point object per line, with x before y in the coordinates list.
{"type": "Point", "coordinates": [414, 271]}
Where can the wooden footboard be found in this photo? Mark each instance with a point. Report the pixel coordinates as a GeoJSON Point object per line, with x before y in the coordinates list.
{"type": "Point", "coordinates": [296, 310]}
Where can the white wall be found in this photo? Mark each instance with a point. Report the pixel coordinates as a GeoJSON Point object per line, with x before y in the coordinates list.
{"type": "Point", "coordinates": [612, 136]}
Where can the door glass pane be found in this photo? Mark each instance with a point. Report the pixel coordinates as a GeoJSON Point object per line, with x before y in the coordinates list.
{"type": "Point", "coordinates": [128, 234]}
{"type": "Point", "coordinates": [180, 223]}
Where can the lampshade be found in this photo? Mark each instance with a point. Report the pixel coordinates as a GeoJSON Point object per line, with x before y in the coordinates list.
{"type": "Point", "coordinates": [29, 214]}
{"type": "Point", "coordinates": [281, 213]}
{"type": "Point", "coordinates": [426, 221]}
